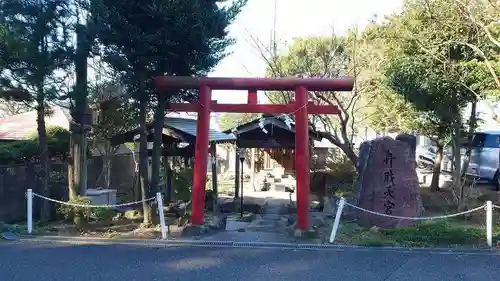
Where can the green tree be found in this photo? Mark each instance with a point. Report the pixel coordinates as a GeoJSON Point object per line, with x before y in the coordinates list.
{"type": "Point", "coordinates": [384, 110]}
{"type": "Point", "coordinates": [3, 45]}
{"type": "Point", "coordinates": [8, 106]}
{"type": "Point", "coordinates": [229, 121]}
{"type": "Point", "coordinates": [484, 15]}
{"type": "Point", "coordinates": [430, 47]}
{"type": "Point", "coordinates": [38, 50]}
{"type": "Point", "coordinates": [146, 39]}
{"type": "Point", "coordinates": [436, 96]}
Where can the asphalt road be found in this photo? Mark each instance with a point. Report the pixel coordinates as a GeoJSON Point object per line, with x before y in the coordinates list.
{"type": "Point", "coordinates": [43, 262]}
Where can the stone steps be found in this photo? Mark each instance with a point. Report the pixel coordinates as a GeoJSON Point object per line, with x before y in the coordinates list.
{"type": "Point", "coordinates": [268, 221]}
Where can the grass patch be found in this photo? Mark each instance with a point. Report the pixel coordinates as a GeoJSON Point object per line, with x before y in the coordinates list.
{"type": "Point", "coordinates": [424, 234]}
{"type": "Point", "coordinates": [38, 228]}
{"type": "Point", "coordinates": [428, 234]}
{"type": "Point", "coordinates": [13, 228]}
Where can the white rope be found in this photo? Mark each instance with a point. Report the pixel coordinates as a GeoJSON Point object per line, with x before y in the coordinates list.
{"type": "Point", "coordinates": [92, 206]}
{"type": "Point", "coordinates": [495, 206]}
{"type": "Point", "coordinates": [416, 218]}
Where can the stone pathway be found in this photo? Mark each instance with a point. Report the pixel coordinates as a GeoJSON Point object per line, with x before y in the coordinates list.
{"type": "Point", "coordinates": [265, 228]}
{"type": "Point", "coordinates": [268, 221]}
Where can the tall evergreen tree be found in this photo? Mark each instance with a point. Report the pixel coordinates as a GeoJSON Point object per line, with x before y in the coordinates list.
{"type": "Point", "coordinates": [143, 39]}
{"type": "Point", "coordinates": [39, 49]}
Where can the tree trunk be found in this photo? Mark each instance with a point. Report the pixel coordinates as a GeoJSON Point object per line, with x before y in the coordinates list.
{"type": "Point", "coordinates": [107, 163]}
{"type": "Point", "coordinates": [136, 183]}
{"type": "Point", "coordinates": [252, 167]}
{"type": "Point", "coordinates": [77, 163]}
{"type": "Point", "coordinates": [80, 162]}
{"type": "Point", "coordinates": [457, 172]}
{"type": "Point", "coordinates": [168, 179]}
{"type": "Point", "coordinates": [107, 175]}
{"type": "Point", "coordinates": [436, 170]}
{"type": "Point", "coordinates": [80, 99]}
{"type": "Point", "coordinates": [350, 153]}
{"type": "Point", "coordinates": [472, 129]}
{"type": "Point", "coordinates": [143, 160]}
{"type": "Point", "coordinates": [158, 125]}
{"type": "Point", "coordinates": [71, 171]}
{"type": "Point", "coordinates": [44, 153]}
{"type": "Point", "coordinates": [83, 163]}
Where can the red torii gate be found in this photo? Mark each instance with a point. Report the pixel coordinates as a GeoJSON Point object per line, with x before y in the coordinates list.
{"type": "Point", "coordinates": [301, 107]}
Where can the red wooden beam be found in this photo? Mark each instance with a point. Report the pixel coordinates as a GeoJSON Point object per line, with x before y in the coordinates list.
{"type": "Point", "coordinates": [302, 158]}
{"type": "Point", "coordinates": [270, 84]}
{"type": "Point", "coordinates": [254, 108]}
{"type": "Point", "coordinates": [252, 97]}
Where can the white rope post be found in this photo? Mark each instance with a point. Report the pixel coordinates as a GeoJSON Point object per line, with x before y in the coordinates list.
{"type": "Point", "coordinates": [159, 200]}
{"type": "Point", "coordinates": [337, 220]}
{"type": "Point", "coordinates": [29, 205]}
{"type": "Point", "coordinates": [489, 223]}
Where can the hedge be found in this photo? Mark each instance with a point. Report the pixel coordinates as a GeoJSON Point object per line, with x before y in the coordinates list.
{"type": "Point", "coordinates": [26, 151]}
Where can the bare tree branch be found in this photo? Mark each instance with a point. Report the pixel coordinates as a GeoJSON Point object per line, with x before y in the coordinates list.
{"type": "Point", "coordinates": [477, 22]}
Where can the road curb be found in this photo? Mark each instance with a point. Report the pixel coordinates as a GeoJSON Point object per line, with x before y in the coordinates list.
{"type": "Point", "coordinates": [235, 244]}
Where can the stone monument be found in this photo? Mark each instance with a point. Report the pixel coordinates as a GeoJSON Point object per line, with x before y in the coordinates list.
{"type": "Point", "coordinates": [388, 181]}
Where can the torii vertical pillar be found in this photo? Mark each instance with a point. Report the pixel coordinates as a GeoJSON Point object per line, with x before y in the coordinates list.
{"type": "Point", "coordinates": [302, 157]}
{"type": "Point", "coordinates": [201, 152]}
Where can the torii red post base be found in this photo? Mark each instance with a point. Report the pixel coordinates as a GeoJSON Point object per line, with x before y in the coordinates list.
{"type": "Point", "coordinates": [301, 108]}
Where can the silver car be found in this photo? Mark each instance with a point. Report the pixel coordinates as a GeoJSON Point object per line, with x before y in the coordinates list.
{"type": "Point", "coordinates": [484, 160]}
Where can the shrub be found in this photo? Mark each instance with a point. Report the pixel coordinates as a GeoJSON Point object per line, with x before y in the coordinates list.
{"type": "Point", "coordinates": [58, 140]}
{"type": "Point", "coordinates": [18, 152]}
{"type": "Point", "coordinates": [98, 214]}
{"type": "Point", "coordinates": [342, 169]}
{"type": "Point", "coordinates": [103, 214]}
{"type": "Point", "coordinates": [70, 212]}
{"type": "Point", "coordinates": [57, 177]}
{"type": "Point", "coordinates": [342, 174]}
{"type": "Point", "coordinates": [182, 182]}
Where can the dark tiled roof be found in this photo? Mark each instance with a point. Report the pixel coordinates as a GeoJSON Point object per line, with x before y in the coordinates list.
{"type": "Point", "coordinates": [189, 126]}
{"type": "Point", "coordinates": [278, 121]}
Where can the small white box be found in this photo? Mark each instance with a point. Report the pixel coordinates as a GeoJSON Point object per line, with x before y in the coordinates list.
{"type": "Point", "coordinates": [102, 196]}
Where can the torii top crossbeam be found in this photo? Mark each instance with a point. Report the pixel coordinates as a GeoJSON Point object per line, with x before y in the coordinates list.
{"type": "Point", "coordinates": [269, 84]}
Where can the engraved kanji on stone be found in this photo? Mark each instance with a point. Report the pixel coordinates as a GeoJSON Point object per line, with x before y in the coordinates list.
{"type": "Point", "coordinates": [389, 158]}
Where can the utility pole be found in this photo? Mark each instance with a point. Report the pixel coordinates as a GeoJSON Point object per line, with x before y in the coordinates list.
{"type": "Point", "coordinates": [274, 45]}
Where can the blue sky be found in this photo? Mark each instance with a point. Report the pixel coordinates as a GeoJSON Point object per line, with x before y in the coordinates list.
{"type": "Point", "coordinates": [294, 18]}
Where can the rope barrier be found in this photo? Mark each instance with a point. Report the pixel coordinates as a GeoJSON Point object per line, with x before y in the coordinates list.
{"type": "Point", "coordinates": [487, 207]}
{"type": "Point", "coordinates": [415, 218]}
{"type": "Point", "coordinates": [158, 199]}
{"type": "Point", "coordinates": [93, 206]}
